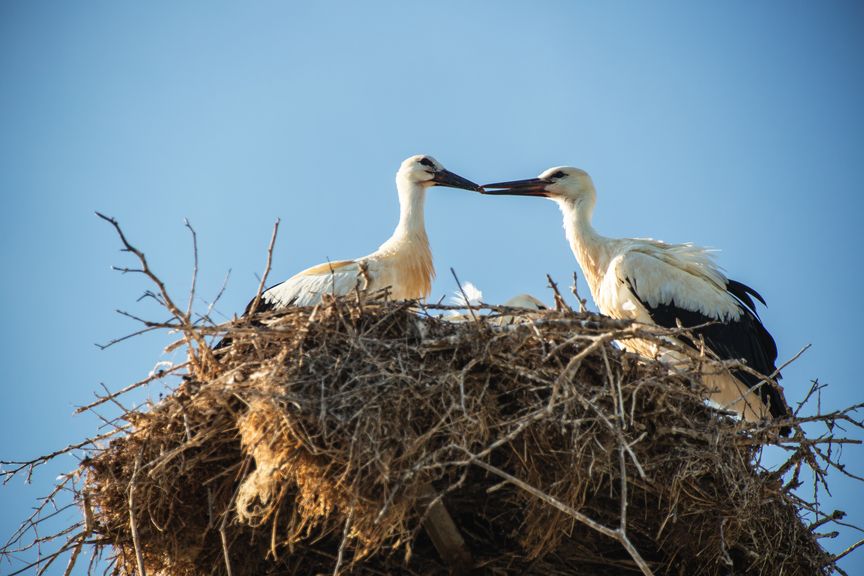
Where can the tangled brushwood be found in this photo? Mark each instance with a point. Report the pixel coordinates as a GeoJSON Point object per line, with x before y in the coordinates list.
{"type": "Point", "coordinates": [363, 436]}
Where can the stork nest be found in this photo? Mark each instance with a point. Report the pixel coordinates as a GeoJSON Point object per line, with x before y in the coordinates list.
{"type": "Point", "coordinates": [327, 435]}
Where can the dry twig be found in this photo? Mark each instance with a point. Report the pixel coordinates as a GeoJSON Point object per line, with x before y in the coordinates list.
{"type": "Point", "coordinates": [254, 306]}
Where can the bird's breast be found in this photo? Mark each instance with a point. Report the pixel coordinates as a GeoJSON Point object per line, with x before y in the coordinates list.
{"type": "Point", "coordinates": [407, 270]}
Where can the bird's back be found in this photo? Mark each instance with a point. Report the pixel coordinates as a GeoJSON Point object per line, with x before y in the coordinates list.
{"type": "Point", "coordinates": [306, 288]}
{"type": "Point", "coordinates": [403, 266]}
{"type": "Point", "coordinates": [672, 285]}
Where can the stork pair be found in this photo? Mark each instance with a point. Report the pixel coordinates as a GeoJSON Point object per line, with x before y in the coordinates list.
{"type": "Point", "coordinates": [648, 281]}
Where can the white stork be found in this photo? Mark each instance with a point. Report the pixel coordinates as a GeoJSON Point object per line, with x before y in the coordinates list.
{"type": "Point", "coordinates": [403, 263]}
{"type": "Point", "coordinates": [658, 283]}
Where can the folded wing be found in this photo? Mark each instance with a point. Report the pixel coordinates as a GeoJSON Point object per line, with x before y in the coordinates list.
{"type": "Point", "coordinates": [695, 296]}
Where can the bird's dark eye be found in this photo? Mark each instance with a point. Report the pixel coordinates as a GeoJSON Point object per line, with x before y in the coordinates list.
{"type": "Point", "coordinates": [558, 174]}
{"type": "Point", "coordinates": [427, 162]}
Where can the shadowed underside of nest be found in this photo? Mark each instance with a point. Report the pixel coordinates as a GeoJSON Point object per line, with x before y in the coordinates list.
{"type": "Point", "coordinates": [325, 435]}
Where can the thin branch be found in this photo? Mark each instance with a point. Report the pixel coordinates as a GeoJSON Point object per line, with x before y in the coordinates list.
{"type": "Point", "coordinates": [223, 538]}
{"type": "Point", "coordinates": [582, 302]}
{"type": "Point", "coordinates": [111, 343]}
{"type": "Point", "coordinates": [269, 263]}
{"type": "Point", "coordinates": [31, 464]}
{"type": "Point", "coordinates": [223, 524]}
{"type": "Point", "coordinates": [560, 304]}
{"type": "Point", "coordinates": [570, 511]}
{"type": "Point", "coordinates": [194, 267]}
{"type": "Point", "coordinates": [82, 537]}
{"type": "Point", "coordinates": [622, 465]}
{"type": "Point", "coordinates": [464, 295]}
{"type": "Point", "coordinates": [134, 385]}
{"type": "Point", "coordinates": [133, 525]}
{"type": "Point", "coordinates": [145, 268]}
{"type": "Point", "coordinates": [574, 363]}
{"type": "Point", "coordinates": [219, 294]}
{"type": "Point", "coordinates": [341, 551]}
{"type": "Point", "coordinates": [848, 550]}
{"type": "Point", "coordinates": [790, 361]}
{"type": "Point", "coordinates": [163, 296]}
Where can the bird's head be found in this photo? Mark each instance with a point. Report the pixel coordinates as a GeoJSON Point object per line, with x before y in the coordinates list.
{"type": "Point", "coordinates": [559, 183]}
{"type": "Point", "coordinates": [425, 170]}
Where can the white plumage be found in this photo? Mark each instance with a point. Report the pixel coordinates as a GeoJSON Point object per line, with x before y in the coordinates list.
{"type": "Point", "coordinates": [468, 295]}
{"type": "Point", "coordinates": [403, 263]}
{"type": "Point", "coordinates": [644, 274]}
{"type": "Point", "coordinates": [526, 301]}
{"type": "Point", "coordinates": [665, 284]}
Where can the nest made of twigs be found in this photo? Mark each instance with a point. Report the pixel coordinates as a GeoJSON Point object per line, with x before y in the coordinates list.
{"type": "Point", "coordinates": [314, 448]}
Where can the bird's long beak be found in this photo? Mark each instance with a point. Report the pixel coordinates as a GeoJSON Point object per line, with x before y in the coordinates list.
{"type": "Point", "coordinates": [451, 180]}
{"type": "Point", "coordinates": [531, 187]}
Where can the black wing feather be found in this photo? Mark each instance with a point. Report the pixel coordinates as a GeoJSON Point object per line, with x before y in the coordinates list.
{"type": "Point", "coordinates": [743, 292]}
{"type": "Point", "coordinates": [745, 338]}
{"type": "Point", "coordinates": [264, 305]}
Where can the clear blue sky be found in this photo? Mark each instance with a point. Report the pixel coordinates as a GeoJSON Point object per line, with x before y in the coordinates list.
{"type": "Point", "coordinates": [736, 125]}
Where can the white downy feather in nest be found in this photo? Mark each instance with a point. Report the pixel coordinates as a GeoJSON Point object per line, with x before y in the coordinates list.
{"type": "Point", "coordinates": [470, 295]}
